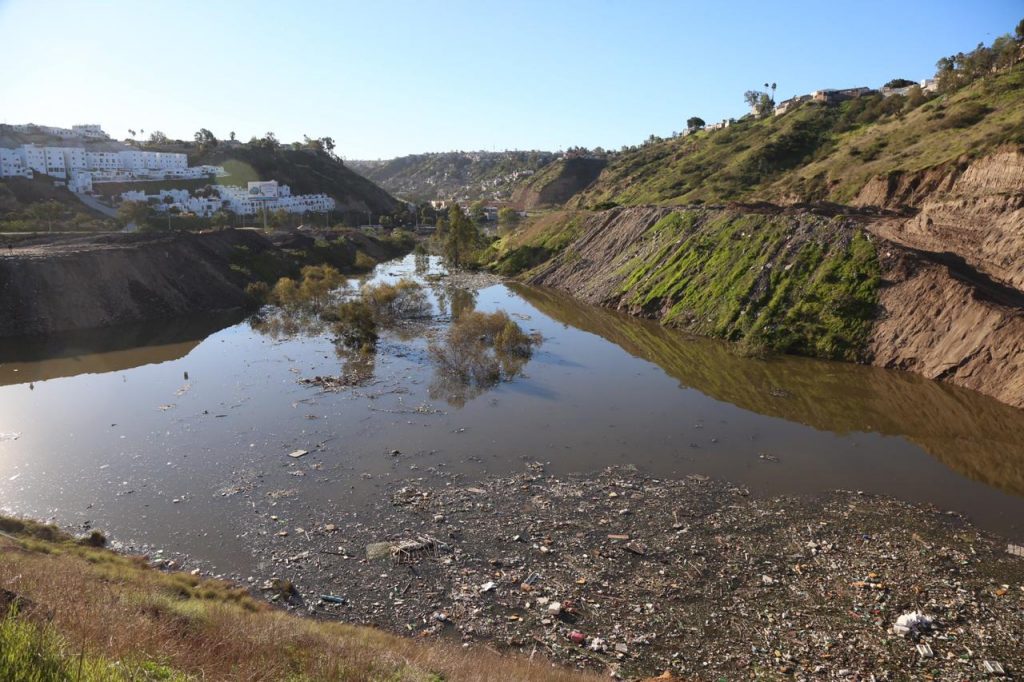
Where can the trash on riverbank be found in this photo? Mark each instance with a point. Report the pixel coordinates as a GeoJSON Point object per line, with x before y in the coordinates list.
{"type": "Point", "coordinates": [698, 578]}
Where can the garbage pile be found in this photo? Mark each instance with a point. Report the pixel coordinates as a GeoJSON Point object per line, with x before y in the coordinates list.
{"type": "Point", "coordinates": [635, 576]}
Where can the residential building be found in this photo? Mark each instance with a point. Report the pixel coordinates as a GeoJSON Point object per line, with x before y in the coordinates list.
{"type": "Point", "coordinates": [12, 164]}
{"type": "Point", "coordinates": [103, 165]}
{"type": "Point", "coordinates": [830, 96]}
{"type": "Point", "coordinates": [234, 199]}
{"type": "Point", "coordinates": [90, 131]}
{"type": "Point", "coordinates": [791, 103]}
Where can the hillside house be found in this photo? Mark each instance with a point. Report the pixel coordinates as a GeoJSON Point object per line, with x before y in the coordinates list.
{"type": "Point", "coordinates": [830, 96]}
{"type": "Point", "coordinates": [791, 103]}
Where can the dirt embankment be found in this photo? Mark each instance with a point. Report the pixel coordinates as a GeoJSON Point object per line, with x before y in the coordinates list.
{"type": "Point", "coordinates": [91, 282]}
{"type": "Point", "coordinates": [974, 210]}
{"type": "Point", "coordinates": [953, 312]}
{"type": "Point", "coordinates": [557, 184]}
{"type": "Point", "coordinates": [946, 322]}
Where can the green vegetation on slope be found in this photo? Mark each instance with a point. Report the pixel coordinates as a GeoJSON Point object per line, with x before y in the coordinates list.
{"type": "Point", "coordinates": [534, 244]}
{"type": "Point", "coordinates": [804, 287]}
{"type": "Point", "coordinates": [817, 153]}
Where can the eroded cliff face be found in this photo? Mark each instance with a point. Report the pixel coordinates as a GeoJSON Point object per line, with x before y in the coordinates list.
{"type": "Point", "coordinates": [974, 210]}
{"type": "Point", "coordinates": [935, 321]}
{"type": "Point", "coordinates": [785, 281]}
{"type": "Point", "coordinates": [558, 183]}
{"type": "Point", "coordinates": [94, 282]}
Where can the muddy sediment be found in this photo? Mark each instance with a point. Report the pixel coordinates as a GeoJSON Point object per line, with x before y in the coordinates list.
{"type": "Point", "coordinates": [633, 575]}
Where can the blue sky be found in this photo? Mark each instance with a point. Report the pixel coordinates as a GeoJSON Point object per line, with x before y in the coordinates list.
{"type": "Point", "coordinates": [387, 78]}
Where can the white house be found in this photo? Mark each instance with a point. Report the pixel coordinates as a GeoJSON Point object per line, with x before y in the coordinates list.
{"type": "Point", "coordinates": [90, 131]}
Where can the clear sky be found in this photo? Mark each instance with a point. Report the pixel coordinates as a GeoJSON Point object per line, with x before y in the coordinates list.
{"type": "Point", "coordinates": [392, 77]}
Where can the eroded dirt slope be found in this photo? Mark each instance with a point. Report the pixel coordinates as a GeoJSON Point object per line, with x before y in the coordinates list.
{"type": "Point", "coordinates": [975, 210]}
{"type": "Point", "coordinates": [936, 320]}
{"type": "Point", "coordinates": [101, 281]}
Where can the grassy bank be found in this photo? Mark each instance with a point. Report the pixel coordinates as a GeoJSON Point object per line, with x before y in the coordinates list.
{"type": "Point", "coordinates": [72, 611]}
{"type": "Point", "coordinates": [804, 286]}
{"type": "Point", "coordinates": [797, 284]}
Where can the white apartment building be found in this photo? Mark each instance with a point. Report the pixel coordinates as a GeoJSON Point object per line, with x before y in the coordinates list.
{"type": "Point", "coordinates": [12, 164]}
{"type": "Point", "coordinates": [101, 166]}
{"type": "Point", "coordinates": [234, 199]}
{"type": "Point", "coordinates": [137, 160]}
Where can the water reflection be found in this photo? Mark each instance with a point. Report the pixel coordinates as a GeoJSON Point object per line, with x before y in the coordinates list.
{"type": "Point", "coordinates": [970, 433]}
{"type": "Point", "coordinates": [26, 360]}
{"type": "Point", "coordinates": [470, 352]}
{"type": "Point", "coordinates": [478, 352]}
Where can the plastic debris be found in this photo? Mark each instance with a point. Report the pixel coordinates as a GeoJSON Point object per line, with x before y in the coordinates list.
{"type": "Point", "coordinates": [912, 623]}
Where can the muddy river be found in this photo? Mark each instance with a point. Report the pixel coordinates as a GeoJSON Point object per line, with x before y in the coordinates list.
{"type": "Point", "coordinates": [178, 435]}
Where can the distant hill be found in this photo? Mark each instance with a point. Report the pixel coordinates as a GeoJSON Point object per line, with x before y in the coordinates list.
{"type": "Point", "coordinates": [306, 171]}
{"type": "Point", "coordinates": [557, 182]}
{"type": "Point", "coordinates": [455, 175]}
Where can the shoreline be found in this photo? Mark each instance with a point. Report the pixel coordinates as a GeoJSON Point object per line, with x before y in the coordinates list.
{"type": "Point", "coordinates": [693, 576]}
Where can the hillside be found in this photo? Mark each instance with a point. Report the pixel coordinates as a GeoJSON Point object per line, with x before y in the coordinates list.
{"type": "Point", "coordinates": [882, 231]}
{"type": "Point", "coordinates": [785, 281]}
{"type": "Point", "coordinates": [50, 285]}
{"type": "Point", "coordinates": [306, 171]}
{"type": "Point", "coordinates": [818, 153]}
{"type": "Point", "coordinates": [557, 182]}
{"type": "Point", "coordinates": [454, 175]}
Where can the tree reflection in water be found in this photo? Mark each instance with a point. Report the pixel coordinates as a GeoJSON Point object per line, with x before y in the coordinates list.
{"type": "Point", "coordinates": [471, 352]}
{"type": "Point", "coordinates": [478, 351]}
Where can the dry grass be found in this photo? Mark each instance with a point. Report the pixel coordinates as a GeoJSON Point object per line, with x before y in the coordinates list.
{"type": "Point", "coordinates": [115, 608]}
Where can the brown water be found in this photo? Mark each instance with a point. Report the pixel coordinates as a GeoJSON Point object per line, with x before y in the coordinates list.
{"type": "Point", "coordinates": [177, 436]}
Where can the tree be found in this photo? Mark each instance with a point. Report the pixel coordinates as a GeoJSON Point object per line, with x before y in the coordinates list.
{"type": "Point", "coordinates": [915, 98]}
{"type": "Point", "coordinates": [231, 135]}
{"type": "Point", "coordinates": [221, 219]}
{"type": "Point", "coordinates": [280, 218]}
{"type": "Point", "coordinates": [462, 236]}
{"type": "Point", "coordinates": [477, 213]}
{"type": "Point", "coordinates": [694, 123]}
{"type": "Point", "coordinates": [133, 212]}
{"type": "Point", "coordinates": [157, 137]}
{"type": "Point", "coordinates": [1019, 32]}
{"type": "Point", "coordinates": [508, 218]}
{"type": "Point", "coordinates": [205, 139]}
{"type": "Point", "coordinates": [760, 103]}
{"type": "Point", "coordinates": [47, 212]}
{"type": "Point", "coordinates": [899, 83]}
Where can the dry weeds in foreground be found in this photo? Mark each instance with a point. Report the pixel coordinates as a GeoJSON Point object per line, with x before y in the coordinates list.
{"type": "Point", "coordinates": [115, 607]}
